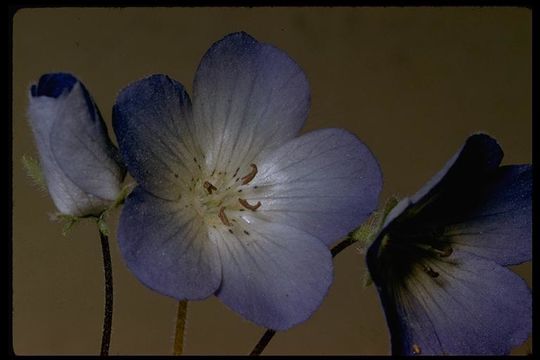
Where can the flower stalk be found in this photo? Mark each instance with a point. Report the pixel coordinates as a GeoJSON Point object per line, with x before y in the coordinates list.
{"type": "Point", "coordinates": [261, 345]}
{"type": "Point", "coordinates": [108, 314]}
{"type": "Point", "coordinates": [180, 327]}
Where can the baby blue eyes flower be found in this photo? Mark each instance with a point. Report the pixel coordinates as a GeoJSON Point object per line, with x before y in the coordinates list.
{"type": "Point", "coordinates": [440, 260]}
{"type": "Point", "coordinates": [80, 164]}
{"type": "Point", "coordinates": [229, 200]}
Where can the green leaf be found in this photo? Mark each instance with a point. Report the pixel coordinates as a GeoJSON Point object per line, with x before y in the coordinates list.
{"type": "Point", "coordinates": [370, 229]}
{"type": "Point", "coordinates": [366, 233]}
{"type": "Point", "coordinates": [34, 172]}
{"type": "Point", "coordinates": [68, 220]}
{"type": "Point", "coordinates": [388, 206]}
{"type": "Point", "coordinates": [367, 281]}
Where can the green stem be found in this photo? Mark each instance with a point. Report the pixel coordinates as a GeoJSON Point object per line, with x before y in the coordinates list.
{"type": "Point", "coordinates": [107, 320]}
{"type": "Point", "coordinates": [180, 328]}
{"type": "Point", "coordinates": [269, 333]}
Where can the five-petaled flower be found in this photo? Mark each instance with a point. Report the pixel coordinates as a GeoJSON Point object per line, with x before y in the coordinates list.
{"type": "Point", "coordinates": [439, 260]}
{"type": "Point", "coordinates": [81, 166]}
{"type": "Point", "coordinates": [229, 200]}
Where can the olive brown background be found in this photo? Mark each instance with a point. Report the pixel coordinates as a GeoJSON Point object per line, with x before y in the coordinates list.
{"type": "Point", "coordinates": [412, 83]}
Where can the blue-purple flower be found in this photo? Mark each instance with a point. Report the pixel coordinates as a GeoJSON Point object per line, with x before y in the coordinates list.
{"type": "Point", "coordinates": [440, 260]}
{"type": "Point", "coordinates": [229, 200]}
{"type": "Point", "coordinates": [81, 166]}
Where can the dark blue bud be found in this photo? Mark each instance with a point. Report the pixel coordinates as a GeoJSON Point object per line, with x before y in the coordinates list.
{"type": "Point", "coordinates": [53, 85]}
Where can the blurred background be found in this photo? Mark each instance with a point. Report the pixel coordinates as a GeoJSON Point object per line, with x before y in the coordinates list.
{"type": "Point", "coordinates": [412, 83]}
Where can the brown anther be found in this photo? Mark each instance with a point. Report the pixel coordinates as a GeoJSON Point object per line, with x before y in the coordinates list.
{"type": "Point", "coordinates": [431, 272]}
{"type": "Point", "coordinates": [248, 205]}
{"type": "Point", "coordinates": [446, 252]}
{"type": "Point", "coordinates": [246, 179]}
{"type": "Point", "coordinates": [224, 219]}
{"type": "Point", "coordinates": [416, 349]}
{"type": "Point", "coordinates": [209, 187]}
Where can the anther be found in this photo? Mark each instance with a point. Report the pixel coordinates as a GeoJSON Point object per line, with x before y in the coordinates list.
{"type": "Point", "coordinates": [248, 205]}
{"type": "Point", "coordinates": [209, 187]}
{"type": "Point", "coordinates": [223, 217]}
{"type": "Point", "coordinates": [246, 179]}
{"type": "Point", "coordinates": [445, 252]}
{"type": "Point", "coordinates": [430, 271]}
{"type": "Point", "coordinates": [416, 349]}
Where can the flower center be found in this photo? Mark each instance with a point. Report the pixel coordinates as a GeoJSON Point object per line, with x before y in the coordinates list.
{"type": "Point", "coordinates": [219, 198]}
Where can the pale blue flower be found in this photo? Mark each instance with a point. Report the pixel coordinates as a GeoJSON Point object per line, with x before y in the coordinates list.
{"type": "Point", "coordinates": [80, 164]}
{"type": "Point", "coordinates": [440, 260]}
{"type": "Point", "coordinates": [230, 201]}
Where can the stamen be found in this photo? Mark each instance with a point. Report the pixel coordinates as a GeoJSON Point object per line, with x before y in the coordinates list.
{"type": "Point", "coordinates": [223, 217]}
{"type": "Point", "coordinates": [246, 179]}
{"type": "Point", "coordinates": [430, 271]}
{"type": "Point", "coordinates": [416, 349]}
{"type": "Point", "coordinates": [209, 187]}
{"type": "Point", "coordinates": [444, 252]}
{"type": "Point", "coordinates": [248, 205]}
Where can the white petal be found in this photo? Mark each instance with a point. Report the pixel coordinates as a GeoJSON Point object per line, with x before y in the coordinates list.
{"type": "Point", "coordinates": [247, 96]}
{"type": "Point", "coordinates": [325, 183]}
{"type": "Point", "coordinates": [151, 120]}
{"type": "Point", "coordinates": [275, 276]}
{"type": "Point", "coordinates": [166, 246]}
{"type": "Point", "coordinates": [81, 147]}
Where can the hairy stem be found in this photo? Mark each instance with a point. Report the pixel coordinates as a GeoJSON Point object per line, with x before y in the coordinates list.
{"type": "Point", "coordinates": [269, 333]}
{"type": "Point", "coordinates": [180, 328]}
{"type": "Point", "coordinates": [107, 317]}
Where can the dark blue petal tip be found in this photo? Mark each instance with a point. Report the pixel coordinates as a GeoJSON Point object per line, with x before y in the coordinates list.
{"type": "Point", "coordinates": [53, 85]}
